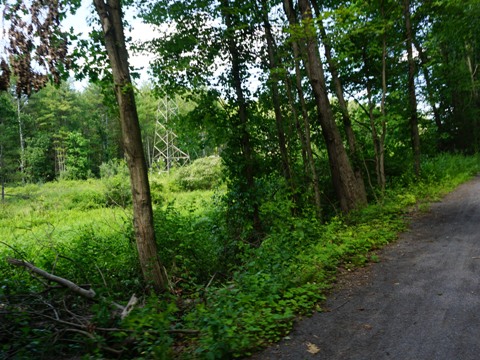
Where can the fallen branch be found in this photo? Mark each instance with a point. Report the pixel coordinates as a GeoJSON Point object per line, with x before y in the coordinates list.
{"type": "Point", "coordinates": [89, 294]}
{"type": "Point", "coordinates": [129, 307]}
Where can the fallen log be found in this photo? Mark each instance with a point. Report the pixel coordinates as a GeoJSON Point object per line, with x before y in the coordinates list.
{"type": "Point", "coordinates": [89, 294]}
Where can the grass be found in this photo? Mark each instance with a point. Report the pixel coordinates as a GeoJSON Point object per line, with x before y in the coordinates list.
{"type": "Point", "coordinates": [53, 211]}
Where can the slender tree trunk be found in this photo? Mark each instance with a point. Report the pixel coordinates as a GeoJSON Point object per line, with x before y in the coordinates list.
{"type": "Point", "coordinates": [344, 180]}
{"type": "Point", "coordinates": [428, 84]}
{"type": "Point", "coordinates": [377, 139]}
{"type": "Point", "coordinates": [272, 64]}
{"type": "Point", "coordinates": [110, 14]}
{"type": "Point", "coordinates": [299, 128]}
{"type": "Point", "coordinates": [337, 85]}
{"type": "Point", "coordinates": [306, 128]}
{"type": "Point", "coordinates": [412, 98]}
{"type": "Point", "coordinates": [383, 180]}
{"type": "Point", "coordinates": [371, 118]}
{"type": "Point", "coordinates": [473, 71]}
{"type": "Point", "coordinates": [248, 169]}
{"type": "Point", "coordinates": [2, 177]}
{"type": "Point", "coordinates": [22, 140]}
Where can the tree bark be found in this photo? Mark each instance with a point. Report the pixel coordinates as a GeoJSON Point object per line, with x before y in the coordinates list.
{"type": "Point", "coordinates": [377, 138]}
{"type": "Point", "coordinates": [428, 84]}
{"type": "Point", "coordinates": [248, 169]}
{"type": "Point", "coordinates": [344, 180]}
{"type": "Point", "coordinates": [22, 140]}
{"type": "Point", "coordinates": [337, 85]}
{"type": "Point", "coordinates": [110, 14]}
{"type": "Point", "coordinates": [279, 119]}
{"type": "Point", "coordinates": [2, 176]}
{"type": "Point", "coordinates": [383, 134]}
{"type": "Point", "coordinates": [472, 67]}
{"type": "Point", "coordinates": [272, 64]}
{"type": "Point", "coordinates": [306, 128]}
{"type": "Point", "coordinates": [412, 98]}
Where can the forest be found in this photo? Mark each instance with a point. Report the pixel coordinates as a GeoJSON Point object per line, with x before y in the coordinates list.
{"type": "Point", "coordinates": [196, 215]}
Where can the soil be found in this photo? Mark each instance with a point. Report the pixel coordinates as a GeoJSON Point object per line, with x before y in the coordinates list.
{"type": "Point", "coordinates": [421, 301]}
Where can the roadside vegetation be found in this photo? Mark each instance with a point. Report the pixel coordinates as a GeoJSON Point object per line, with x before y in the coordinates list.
{"type": "Point", "coordinates": [226, 298]}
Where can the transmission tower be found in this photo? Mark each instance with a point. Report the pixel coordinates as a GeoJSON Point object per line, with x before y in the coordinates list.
{"type": "Point", "coordinates": [165, 153]}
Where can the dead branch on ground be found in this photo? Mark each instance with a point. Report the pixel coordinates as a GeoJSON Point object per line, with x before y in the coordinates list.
{"type": "Point", "coordinates": [89, 294]}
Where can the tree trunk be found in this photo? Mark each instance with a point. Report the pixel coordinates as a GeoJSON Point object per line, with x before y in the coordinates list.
{"type": "Point", "coordinates": [22, 141]}
{"type": "Point", "coordinates": [110, 15]}
{"type": "Point", "coordinates": [306, 128]}
{"type": "Point", "coordinates": [377, 139]}
{"type": "Point", "coordinates": [412, 98]}
{"type": "Point", "coordinates": [248, 169]}
{"type": "Point", "coordinates": [381, 165]}
{"type": "Point", "coordinates": [472, 67]}
{"type": "Point", "coordinates": [2, 177]}
{"type": "Point", "coordinates": [344, 180]}
{"type": "Point", "coordinates": [337, 85]}
{"type": "Point", "coordinates": [279, 121]}
{"type": "Point", "coordinates": [299, 128]}
{"type": "Point", "coordinates": [428, 84]}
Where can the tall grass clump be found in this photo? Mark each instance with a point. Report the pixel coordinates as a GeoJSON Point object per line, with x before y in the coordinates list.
{"type": "Point", "coordinates": [116, 180]}
{"type": "Point", "coordinates": [449, 170]}
{"type": "Point", "coordinates": [62, 228]}
{"type": "Point", "coordinates": [203, 174]}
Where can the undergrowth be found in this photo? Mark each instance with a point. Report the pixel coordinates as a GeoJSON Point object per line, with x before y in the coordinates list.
{"type": "Point", "coordinates": [227, 298]}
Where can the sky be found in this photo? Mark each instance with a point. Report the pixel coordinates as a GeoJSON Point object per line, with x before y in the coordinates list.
{"type": "Point", "coordinates": [140, 31]}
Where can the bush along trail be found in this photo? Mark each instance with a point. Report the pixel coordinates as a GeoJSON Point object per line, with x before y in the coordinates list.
{"type": "Point", "coordinates": [227, 299]}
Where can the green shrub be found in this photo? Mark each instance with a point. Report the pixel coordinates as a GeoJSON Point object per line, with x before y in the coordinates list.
{"type": "Point", "coordinates": [118, 191]}
{"type": "Point", "coordinates": [87, 199]}
{"type": "Point", "coordinates": [449, 168]}
{"type": "Point", "coordinates": [190, 245]}
{"type": "Point", "coordinates": [148, 328]}
{"type": "Point", "coordinates": [116, 180]}
{"type": "Point", "coordinates": [106, 260]}
{"type": "Point", "coordinates": [202, 174]}
{"type": "Point", "coordinates": [157, 190]}
{"type": "Point", "coordinates": [113, 167]}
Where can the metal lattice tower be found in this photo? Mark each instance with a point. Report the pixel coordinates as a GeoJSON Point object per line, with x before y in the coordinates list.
{"type": "Point", "coordinates": [165, 154]}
